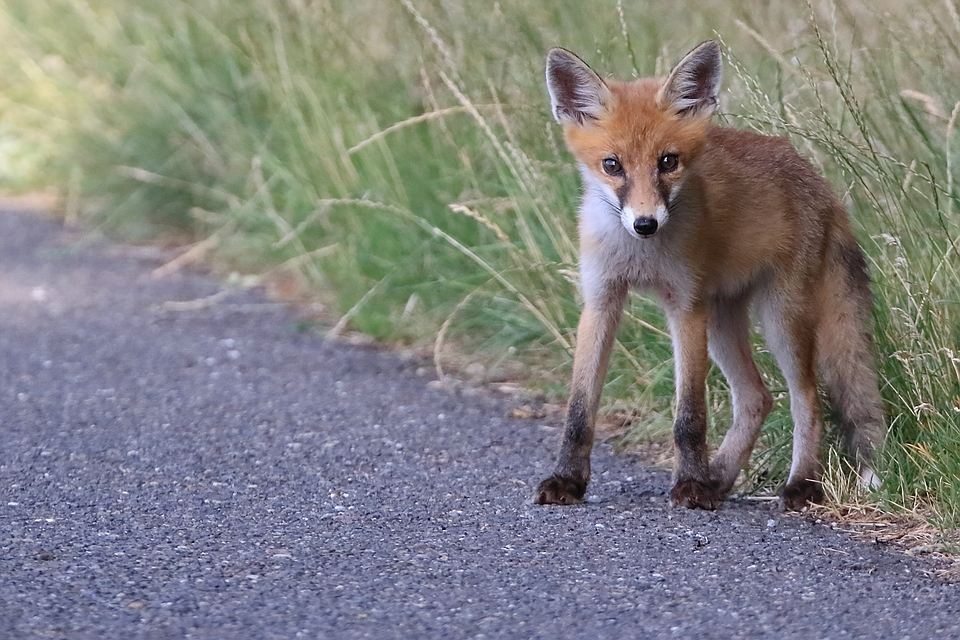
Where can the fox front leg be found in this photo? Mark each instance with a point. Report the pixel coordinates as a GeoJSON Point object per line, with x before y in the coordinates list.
{"type": "Point", "coordinates": [692, 487]}
{"type": "Point", "coordinates": [595, 333]}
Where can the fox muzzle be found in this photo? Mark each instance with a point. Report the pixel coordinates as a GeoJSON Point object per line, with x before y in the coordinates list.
{"type": "Point", "coordinates": [645, 226]}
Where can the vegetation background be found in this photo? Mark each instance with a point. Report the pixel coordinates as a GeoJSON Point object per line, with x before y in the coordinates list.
{"type": "Point", "coordinates": [399, 158]}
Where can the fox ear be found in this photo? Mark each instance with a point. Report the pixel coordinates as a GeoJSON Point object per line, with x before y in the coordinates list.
{"type": "Point", "coordinates": [577, 94]}
{"type": "Point", "coordinates": [693, 87]}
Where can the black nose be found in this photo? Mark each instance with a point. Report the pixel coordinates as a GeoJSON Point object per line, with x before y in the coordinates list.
{"type": "Point", "coordinates": [645, 226]}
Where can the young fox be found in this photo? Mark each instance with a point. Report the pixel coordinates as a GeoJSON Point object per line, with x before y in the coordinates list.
{"type": "Point", "coordinates": [711, 220]}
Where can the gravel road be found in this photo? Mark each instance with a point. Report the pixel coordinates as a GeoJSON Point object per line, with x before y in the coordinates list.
{"type": "Point", "coordinates": [214, 473]}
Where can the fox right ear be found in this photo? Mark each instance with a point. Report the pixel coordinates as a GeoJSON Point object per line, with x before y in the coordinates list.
{"type": "Point", "coordinates": [693, 87]}
{"type": "Point", "coordinates": [577, 94]}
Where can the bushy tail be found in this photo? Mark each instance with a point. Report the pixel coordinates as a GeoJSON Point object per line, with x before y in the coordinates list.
{"type": "Point", "coordinates": [845, 355]}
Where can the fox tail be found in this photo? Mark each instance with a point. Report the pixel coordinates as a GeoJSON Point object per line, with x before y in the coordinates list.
{"type": "Point", "coordinates": [846, 356]}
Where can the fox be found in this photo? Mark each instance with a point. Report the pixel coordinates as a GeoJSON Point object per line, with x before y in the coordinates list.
{"type": "Point", "coordinates": [718, 224]}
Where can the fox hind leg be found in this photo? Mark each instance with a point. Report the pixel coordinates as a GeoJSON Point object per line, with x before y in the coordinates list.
{"type": "Point", "coordinates": [729, 341]}
{"type": "Point", "coordinates": [790, 336]}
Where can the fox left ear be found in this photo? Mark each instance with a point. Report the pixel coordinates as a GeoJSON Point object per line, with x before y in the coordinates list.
{"type": "Point", "coordinates": [693, 87]}
{"type": "Point", "coordinates": [577, 94]}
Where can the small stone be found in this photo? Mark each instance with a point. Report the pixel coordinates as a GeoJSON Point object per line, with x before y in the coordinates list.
{"type": "Point", "coordinates": [475, 370]}
{"type": "Point", "coordinates": [526, 412]}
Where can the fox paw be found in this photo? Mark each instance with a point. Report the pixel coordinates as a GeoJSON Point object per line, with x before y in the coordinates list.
{"type": "Point", "coordinates": [559, 490]}
{"type": "Point", "coordinates": [797, 495]}
{"type": "Point", "coordinates": [694, 494]}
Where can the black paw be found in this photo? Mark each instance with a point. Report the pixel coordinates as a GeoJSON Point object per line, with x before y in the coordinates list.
{"type": "Point", "coordinates": [694, 494]}
{"type": "Point", "coordinates": [796, 496]}
{"type": "Point", "coordinates": [558, 490]}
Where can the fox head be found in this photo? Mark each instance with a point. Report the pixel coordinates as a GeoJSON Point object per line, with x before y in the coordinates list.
{"type": "Point", "coordinates": [635, 140]}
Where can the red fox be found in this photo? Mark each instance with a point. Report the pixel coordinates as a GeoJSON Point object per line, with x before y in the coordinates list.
{"type": "Point", "coordinates": [712, 220]}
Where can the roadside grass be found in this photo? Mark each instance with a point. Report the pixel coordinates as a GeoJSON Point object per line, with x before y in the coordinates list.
{"type": "Point", "coordinates": [400, 158]}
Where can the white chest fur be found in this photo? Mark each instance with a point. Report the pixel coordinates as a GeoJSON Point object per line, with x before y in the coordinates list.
{"type": "Point", "coordinates": [610, 252]}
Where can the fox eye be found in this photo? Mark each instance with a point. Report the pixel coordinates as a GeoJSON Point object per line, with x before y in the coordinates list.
{"type": "Point", "coordinates": [668, 162]}
{"type": "Point", "coordinates": [612, 166]}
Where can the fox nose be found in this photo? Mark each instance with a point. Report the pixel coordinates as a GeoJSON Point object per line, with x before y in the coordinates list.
{"type": "Point", "coordinates": [645, 226]}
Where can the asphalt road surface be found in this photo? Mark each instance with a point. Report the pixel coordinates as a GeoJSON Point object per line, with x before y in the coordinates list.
{"type": "Point", "coordinates": [214, 473]}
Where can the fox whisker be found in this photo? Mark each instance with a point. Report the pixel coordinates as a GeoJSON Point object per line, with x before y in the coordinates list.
{"type": "Point", "coordinates": [615, 207]}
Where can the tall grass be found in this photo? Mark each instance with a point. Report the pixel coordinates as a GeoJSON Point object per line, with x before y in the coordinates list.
{"type": "Point", "coordinates": [400, 157]}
